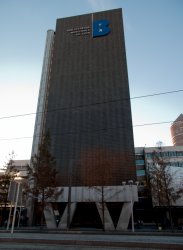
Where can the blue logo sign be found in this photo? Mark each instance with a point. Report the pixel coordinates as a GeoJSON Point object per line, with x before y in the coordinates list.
{"type": "Point", "coordinates": [100, 28]}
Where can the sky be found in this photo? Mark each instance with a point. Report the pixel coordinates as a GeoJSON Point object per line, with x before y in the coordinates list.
{"type": "Point", "coordinates": [154, 49]}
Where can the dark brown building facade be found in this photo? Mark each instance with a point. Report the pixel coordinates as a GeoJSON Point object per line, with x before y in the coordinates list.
{"type": "Point", "coordinates": [86, 101]}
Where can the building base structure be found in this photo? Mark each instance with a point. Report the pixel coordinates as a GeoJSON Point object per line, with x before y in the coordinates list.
{"type": "Point", "coordinates": [99, 197]}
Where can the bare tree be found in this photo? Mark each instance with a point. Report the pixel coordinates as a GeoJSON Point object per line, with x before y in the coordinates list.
{"type": "Point", "coordinates": [43, 175]}
{"type": "Point", "coordinates": [162, 185]}
{"type": "Point", "coordinates": [96, 168]}
{"type": "Point", "coordinates": [8, 174]}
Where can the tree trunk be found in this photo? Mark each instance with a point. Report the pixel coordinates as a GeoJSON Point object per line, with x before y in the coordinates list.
{"type": "Point", "coordinates": [170, 215]}
{"type": "Point", "coordinates": [103, 217]}
{"type": "Point", "coordinates": [69, 209]}
{"type": "Point", "coordinates": [42, 210]}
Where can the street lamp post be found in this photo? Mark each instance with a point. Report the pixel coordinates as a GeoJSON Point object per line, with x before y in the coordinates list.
{"type": "Point", "coordinates": [130, 182]}
{"type": "Point", "coordinates": [18, 181]}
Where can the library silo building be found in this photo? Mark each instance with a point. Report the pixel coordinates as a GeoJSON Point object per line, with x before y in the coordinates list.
{"type": "Point", "coordinates": [84, 103]}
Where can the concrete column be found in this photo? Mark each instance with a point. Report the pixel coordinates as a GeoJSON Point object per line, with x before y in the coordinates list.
{"type": "Point", "coordinates": [124, 217]}
{"type": "Point", "coordinates": [108, 223]}
{"type": "Point", "coordinates": [63, 221]}
{"type": "Point", "coordinates": [50, 217]}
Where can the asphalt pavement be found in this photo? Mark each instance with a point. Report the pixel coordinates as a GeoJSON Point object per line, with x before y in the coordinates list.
{"type": "Point", "coordinates": [89, 240]}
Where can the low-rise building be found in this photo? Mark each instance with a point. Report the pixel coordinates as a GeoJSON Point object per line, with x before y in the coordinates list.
{"type": "Point", "coordinates": [147, 209]}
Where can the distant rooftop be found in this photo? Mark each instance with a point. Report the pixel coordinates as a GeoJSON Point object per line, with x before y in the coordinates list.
{"type": "Point", "coordinates": [179, 118]}
{"type": "Point", "coordinates": [21, 162]}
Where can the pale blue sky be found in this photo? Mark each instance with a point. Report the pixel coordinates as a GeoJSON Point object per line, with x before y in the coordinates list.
{"type": "Point", "coordinates": [154, 48]}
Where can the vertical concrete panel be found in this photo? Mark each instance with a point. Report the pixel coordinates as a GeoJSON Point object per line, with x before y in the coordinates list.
{"type": "Point", "coordinates": [108, 223]}
{"type": "Point", "coordinates": [50, 217]}
{"type": "Point", "coordinates": [124, 217]}
{"type": "Point", "coordinates": [63, 221]}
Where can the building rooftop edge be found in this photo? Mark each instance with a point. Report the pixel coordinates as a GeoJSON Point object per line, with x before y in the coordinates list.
{"type": "Point", "coordinates": [89, 13]}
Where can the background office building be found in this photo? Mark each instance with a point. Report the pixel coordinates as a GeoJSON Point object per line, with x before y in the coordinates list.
{"type": "Point", "coordinates": [177, 131]}
{"type": "Point", "coordinates": [149, 209]}
{"type": "Point", "coordinates": [84, 101]}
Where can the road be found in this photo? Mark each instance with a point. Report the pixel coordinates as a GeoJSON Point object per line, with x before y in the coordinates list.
{"type": "Point", "coordinates": [88, 241]}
